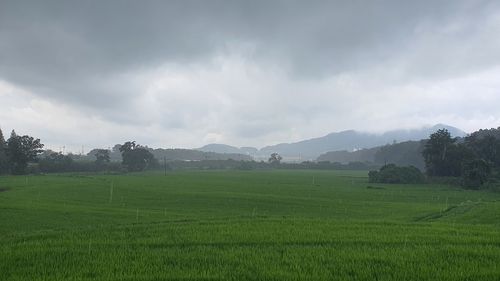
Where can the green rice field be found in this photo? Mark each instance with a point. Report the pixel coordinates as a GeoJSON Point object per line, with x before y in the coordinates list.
{"type": "Point", "coordinates": [244, 225]}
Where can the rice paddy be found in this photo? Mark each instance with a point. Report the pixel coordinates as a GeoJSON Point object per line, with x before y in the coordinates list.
{"type": "Point", "coordinates": [244, 225]}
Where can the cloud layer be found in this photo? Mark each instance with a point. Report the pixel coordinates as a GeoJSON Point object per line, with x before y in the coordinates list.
{"type": "Point", "coordinates": [186, 73]}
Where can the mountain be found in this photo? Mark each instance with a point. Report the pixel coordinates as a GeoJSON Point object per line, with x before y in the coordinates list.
{"type": "Point", "coordinates": [224, 148]}
{"type": "Point", "coordinates": [340, 142]}
{"type": "Point", "coordinates": [403, 154]}
{"type": "Point", "coordinates": [219, 148]}
{"type": "Point", "coordinates": [344, 156]}
{"type": "Point", "coordinates": [195, 155]}
{"type": "Point", "coordinates": [352, 141]}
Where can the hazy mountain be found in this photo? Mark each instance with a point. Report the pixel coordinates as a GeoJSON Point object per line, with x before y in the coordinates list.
{"type": "Point", "coordinates": [403, 154]}
{"type": "Point", "coordinates": [195, 155]}
{"type": "Point", "coordinates": [352, 140]}
{"type": "Point", "coordinates": [224, 148]}
{"type": "Point", "coordinates": [344, 157]}
{"type": "Point", "coordinates": [341, 141]}
{"type": "Point", "coordinates": [219, 148]}
{"type": "Point", "coordinates": [249, 150]}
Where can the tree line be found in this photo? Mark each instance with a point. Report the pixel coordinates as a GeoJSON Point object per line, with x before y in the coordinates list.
{"type": "Point", "coordinates": [135, 158]}
{"type": "Point", "coordinates": [473, 161]}
{"type": "Point", "coordinates": [17, 151]}
{"type": "Point", "coordinates": [20, 155]}
{"type": "Point", "coordinates": [25, 154]}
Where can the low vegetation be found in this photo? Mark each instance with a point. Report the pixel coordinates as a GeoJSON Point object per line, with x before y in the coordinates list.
{"type": "Point", "coordinates": [244, 225]}
{"type": "Point", "coordinates": [394, 174]}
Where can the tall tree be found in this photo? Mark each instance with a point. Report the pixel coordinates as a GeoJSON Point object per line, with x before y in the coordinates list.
{"type": "Point", "coordinates": [136, 157]}
{"type": "Point", "coordinates": [476, 173]}
{"type": "Point", "coordinates": [2, 139]}
{"type": "Point", "coordinates": [21, 150]}
{"type": "Point", "coordinates": [4, 163]}
{"type": "Point", "coordinates": [275, 159]}
{"type": "Point", "coordinates": [102, 157]}
{"type": "Point", "coordinates": [486, 145]}
{"type": "Point", "coordinates": [436, 153]}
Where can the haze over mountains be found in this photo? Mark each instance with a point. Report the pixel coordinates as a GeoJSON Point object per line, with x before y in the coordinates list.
{"type": "Point", "coordinates": [350, 140]}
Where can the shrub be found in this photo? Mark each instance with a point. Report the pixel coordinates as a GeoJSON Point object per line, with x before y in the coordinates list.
{"type": "Point", "coordinates": [394, 174]}
{"type": "Point", "coordinates": [475, 173]}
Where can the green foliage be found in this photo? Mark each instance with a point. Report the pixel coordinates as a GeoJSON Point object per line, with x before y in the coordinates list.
{"type": "Point", "coordinates": [442, 156]}
{"type": "Point", "coordinates": [21, 150]}
{"type": "Point", "coordinates": [244, 225]}
{"type": "Point", "coordinates": [476, 173]}
{"type": "Point", "coordinates": [486, 145]}
{"type": "Point", "coordinates": [136, 157]}
{"type": "Point", "coordinates": [4, 163]}
{"type": "Point", "coordinates": [275, 159]}
{"type": "Point", "coordinates": [65, 164]}
{"type": "Point", "coordinates": [56, 162]}
{"type": "Point", "coordinates": [254, 165]}
{"type": "Point", "coordinates": [102, 156]}
{"type": "Point", "coordinates": [394, 174]}
{"type": "Point", "coordinates": [472, 160]}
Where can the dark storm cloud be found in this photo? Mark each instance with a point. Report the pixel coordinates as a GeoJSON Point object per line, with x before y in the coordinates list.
{"type": "Point", "coordinates": [66, 49]}
{"type": "Point", "coordinates": [226, 69]}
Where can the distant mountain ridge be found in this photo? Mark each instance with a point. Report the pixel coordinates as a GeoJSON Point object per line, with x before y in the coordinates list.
{"type": "Point", "coordinates": [224, 148]}
{"type": "Point", "coordinates": [403, 154]}
{"type": "Point", "coordinates": [346, 140]}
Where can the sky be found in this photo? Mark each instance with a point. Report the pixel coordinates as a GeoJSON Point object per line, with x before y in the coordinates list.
{"type": "Point", "coordinates": [245, 73]}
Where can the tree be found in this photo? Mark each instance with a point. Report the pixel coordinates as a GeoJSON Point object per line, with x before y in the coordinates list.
{"type": "Point", "coordinates": [4, 163]}
{"type": "Point", "coordinates": [275, 159]}
{"type": "Point", "coordinates": [102, 157]}
{"type": "Point", "coordinates": [21, 150]}
{"type": "Point", "coordinates": [56, 162]}
{"type": "Point", "coordinates": [391, 173]}
{"type": "Point", "coordinates": [486, 145]}
{"type": "Point", "coordinates": [437, 152]}
{"type": "Point", "coordinates": [116, 148]}
{"type": "Point", "coordinates": [476, 173]}
{"type": "Point", "coordinates": [136, 157]}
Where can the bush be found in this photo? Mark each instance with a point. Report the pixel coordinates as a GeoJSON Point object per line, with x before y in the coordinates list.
{"type": "Point", "coordinates": [475, 173]}
{"type": "Point", "coordinates": [394, 174]}
{"type": "Point", "coordinates": [59, 163]}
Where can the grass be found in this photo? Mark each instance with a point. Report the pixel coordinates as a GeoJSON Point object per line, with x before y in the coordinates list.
{"type": "Point", "coordinates": [244, 225]}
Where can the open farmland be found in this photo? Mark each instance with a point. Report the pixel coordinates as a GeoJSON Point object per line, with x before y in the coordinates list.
{"type": "Point", "coordinates": [248, 225]}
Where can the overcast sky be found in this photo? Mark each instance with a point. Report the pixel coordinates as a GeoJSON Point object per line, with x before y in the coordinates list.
{"type": "Point", "coordinates": [245, 73]}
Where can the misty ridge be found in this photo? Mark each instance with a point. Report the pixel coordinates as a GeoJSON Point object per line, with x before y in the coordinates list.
{"type": "Point", "coordinates": [342, 147]}
{"type": "Point", "coordinates": [440, 150]}
{"type": "Point", "coordinates": [341, 142]}
{"type": "Point", "coordinates": [345, 150]}
{"type": "Point", "coordinates": [342, 151]}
